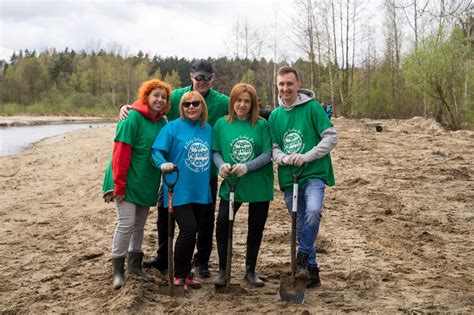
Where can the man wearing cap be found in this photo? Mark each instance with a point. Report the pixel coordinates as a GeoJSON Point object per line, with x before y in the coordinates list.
{"type": "Point", "coordinates": [202, 77]}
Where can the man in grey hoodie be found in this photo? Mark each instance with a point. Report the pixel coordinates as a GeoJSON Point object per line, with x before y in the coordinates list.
{"type": "Point", "coordinates": [302, 136]}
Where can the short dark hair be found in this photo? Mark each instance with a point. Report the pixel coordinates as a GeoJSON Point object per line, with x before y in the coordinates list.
{"type": "Point", "coordinates": [287, 69]}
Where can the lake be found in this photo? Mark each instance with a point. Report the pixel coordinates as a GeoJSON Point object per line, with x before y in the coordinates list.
{"type": "Point", "coordinates": [15, 139]}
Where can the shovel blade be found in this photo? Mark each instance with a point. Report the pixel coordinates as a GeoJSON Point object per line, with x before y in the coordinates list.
{"type": "Point", "coordinates": [292, 290]}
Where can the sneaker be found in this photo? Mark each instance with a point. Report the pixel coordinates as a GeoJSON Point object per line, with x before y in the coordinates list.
{"type": "Point", "coordinates": [178, 282]}
{"type": "Point", "coordinates": [314, 280]}
{"type": "Point", "coordinates": [190, 282]}
{"type": "Point", "coordinates": [202, 271]}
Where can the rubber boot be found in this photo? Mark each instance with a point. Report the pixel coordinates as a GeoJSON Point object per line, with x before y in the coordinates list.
{"type": "Point", "coordinates": [135, 266]}
{"type": "Point", "coordinates": [119, 275]}
{"type": "Point", "coordinates": [302, 266]}
{"type": "Point", "coordinates": [250, 264]}
{"type": "Point", "coordinates": [158, 263]}
{"type": "Point", "coordinates": [314, 280]}
{"type": "Point", "coordinates": [222, 252]}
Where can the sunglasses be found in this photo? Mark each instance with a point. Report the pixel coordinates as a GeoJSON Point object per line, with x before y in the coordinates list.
{"type": "Point", "coordinates": [199, 78]}
{"type": "Point", "coordinates": [194, 103]}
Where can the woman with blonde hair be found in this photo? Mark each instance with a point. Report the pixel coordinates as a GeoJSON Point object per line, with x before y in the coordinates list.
{"type": "Point", "coordinates": [186, 143]}
{"type": "Point", "coordinates": [131, 180]}
{"type": "Point", "coordinates": [241, 148]}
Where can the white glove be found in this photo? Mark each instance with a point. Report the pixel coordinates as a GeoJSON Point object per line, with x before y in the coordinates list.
{"type": "Point", "coordinates": [167, 167]}
{"type": "Point", "coordinates": [288, 159]}
{"type": "Point", "coordinates": [239, 169]}
{"type": "Point", "coordinates": [300, 159]}
{"type": "Point", "coordinates": [225, 170]}
{"type": "Point", "coordinates": [124, 111]}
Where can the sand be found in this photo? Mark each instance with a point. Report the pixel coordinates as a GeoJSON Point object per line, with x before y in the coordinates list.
{"type": "Point", "coordinates": [396, 235]}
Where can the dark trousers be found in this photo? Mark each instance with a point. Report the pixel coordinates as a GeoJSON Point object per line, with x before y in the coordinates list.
{"type": "Point", "coordinates": [187, 217]}
{"type": "Point", "coordinates": [258, 213]}
{"type": "Point", "coordinates": [205, 228]}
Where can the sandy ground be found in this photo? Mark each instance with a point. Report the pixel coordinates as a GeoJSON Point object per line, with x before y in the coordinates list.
{"type": "Point", "coordinates": [396, 236]}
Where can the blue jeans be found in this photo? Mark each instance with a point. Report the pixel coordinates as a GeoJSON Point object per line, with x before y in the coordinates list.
{"type": "Point", "coordinates": [308, 215]}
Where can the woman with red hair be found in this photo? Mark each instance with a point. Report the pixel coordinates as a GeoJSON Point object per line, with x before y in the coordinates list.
{"type": "Point", "coordinates": [131, 180]}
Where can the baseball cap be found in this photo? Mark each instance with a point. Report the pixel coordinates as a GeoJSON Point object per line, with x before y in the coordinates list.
{"type": "Point", "coordinates": [201, 67]}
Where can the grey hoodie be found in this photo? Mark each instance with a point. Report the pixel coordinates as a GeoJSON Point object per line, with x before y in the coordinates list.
{"type": "Point", "coordinates": [329, 136]}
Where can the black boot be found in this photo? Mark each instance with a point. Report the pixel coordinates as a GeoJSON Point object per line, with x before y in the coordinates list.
{"type": "Point", "coordinates": [252, 278]}
{"type": "Point", "coordinates": [158, 263]}
{"type": "Point", "coordinates": [222, 253]}
{"type": "Point", "coordinates": [119, 275]}
{"type": "Point", "coordinates": [135, 265]}
{"type": "Point", "coordinates": [220, 278]}
{"type": "Point", "coordinates": [250, 264]}
{"type": "Point", "coordinates": [314, 280]}
{"type": "Point", "coordinates": [302, 266]}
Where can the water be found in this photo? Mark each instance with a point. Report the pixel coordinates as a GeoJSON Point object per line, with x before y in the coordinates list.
{"type": "Point", "coordinates": [15, 139]}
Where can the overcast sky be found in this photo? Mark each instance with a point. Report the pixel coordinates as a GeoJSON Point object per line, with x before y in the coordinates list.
{"type": "Point", "coordinates": [190, 29]}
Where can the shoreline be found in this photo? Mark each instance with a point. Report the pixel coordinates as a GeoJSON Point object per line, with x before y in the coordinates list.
{"type": "Point", "coordinates": [17, 121]}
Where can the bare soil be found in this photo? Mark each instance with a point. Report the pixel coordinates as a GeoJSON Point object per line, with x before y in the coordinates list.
{"type": "Point", "coordinates": [396, 235]}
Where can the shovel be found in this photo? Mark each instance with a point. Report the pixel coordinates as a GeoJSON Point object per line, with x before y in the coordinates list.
{"type": "Point", "coordinates": [171, 289]}
{"type": "Point", "coordinates": [292, 289]}
{"type": "Point", "coordinates": [229, 287]}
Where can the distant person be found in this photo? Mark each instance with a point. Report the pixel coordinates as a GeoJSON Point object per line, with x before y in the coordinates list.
{"type": "Point", "coordinates": [186, 142]}
{"type": "Point", "coordinates": [202, 76]}
{"type": "Point", "coordinates": [242, 149]}
{"type": "Point", "coordinates": [131, 180]}
{"type": "Point", "coordinates": [329, 111]}
{"type": "Point", "coordinates": [302, 135]}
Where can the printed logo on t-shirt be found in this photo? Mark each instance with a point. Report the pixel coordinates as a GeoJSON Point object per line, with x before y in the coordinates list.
{"type": "Point", "coordinates": [242, 149]}
{"type": "Point", "coordinates": [198, 158]}
{"type": "Point", "coordinates": [293, 141]}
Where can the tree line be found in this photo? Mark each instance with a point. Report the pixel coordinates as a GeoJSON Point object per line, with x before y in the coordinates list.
{"type": "Point", "coordinates": [338, 61]}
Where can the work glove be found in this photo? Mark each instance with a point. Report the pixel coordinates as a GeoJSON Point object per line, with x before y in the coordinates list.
{"type": "Point", "coordinates": [288, 159]}
{"type": "Point", "coordinates": [239, 169]}
{"type": "Point", "coordinates": [225, 170]}
{"type": "Point", "coordinates": [300, 159]}
{"type": "Point", "coordinates": [167, 167]}
{"type": "Point", "coordinates": [124, 111]}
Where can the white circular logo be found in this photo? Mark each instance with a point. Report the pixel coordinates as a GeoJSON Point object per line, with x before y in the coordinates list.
{"type": "Point", "coordinates": [292, 143]}
{"type": "Point", "coordinates": [241, 151]}
{"type": "Point", "coordinates": [198, 157]}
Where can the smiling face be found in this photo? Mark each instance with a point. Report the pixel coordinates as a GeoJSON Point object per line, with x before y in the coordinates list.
{"type": "Point", "coordinates": [243, 105]}
{"type": "Point", "coordinates": [192, 108]}
{"type": "Point", "coordinates": [288, 86]}
{"type": "Point", "coordinates": [157, 100]}
{"type": "Point", "coordinates": [202, 84]}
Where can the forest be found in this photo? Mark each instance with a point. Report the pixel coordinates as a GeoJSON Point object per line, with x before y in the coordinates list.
{"type": "Point", "coordinates": [423, 68]}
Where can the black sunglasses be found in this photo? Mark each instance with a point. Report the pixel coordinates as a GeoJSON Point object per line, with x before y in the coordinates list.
{"type": "Point", "coordinates": [194, 103]}
{"type": "Point", "coordinates": [199, 78]}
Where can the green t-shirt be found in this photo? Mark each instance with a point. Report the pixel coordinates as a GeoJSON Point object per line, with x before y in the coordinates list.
{"type": "Point", "coordinates": [143, 179]}
{"type": "Point", "coordinates": [239, 142]}
{"type": "Point", "coordinates": [298, 131]}
{"type": "Point", "coordinates": [217, 107]}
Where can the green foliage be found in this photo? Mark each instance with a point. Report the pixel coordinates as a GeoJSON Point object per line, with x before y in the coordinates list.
{"type": "Point", "coordinates": [439, 75]}
{"type": "Point", "coordinates": [444, 72]}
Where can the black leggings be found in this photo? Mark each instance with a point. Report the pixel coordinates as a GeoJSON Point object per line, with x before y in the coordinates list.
{"type": "Point", "coordinates": [187, 217]}
{"type": "Point", "coordinates": [258, 212]}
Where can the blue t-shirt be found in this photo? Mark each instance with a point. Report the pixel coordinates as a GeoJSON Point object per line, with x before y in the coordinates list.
{"type": "Point", "coordinates": [186, 144]}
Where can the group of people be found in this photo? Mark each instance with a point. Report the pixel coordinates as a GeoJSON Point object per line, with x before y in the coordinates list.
{"type": "Point", "coordinates": [206, 134]}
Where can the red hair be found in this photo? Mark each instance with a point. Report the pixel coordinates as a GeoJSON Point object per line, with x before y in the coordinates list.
{"type": "Point", "coordinates": [148, 86]}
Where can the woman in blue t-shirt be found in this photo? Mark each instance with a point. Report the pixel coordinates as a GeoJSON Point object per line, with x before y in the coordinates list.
{"type": "Point", "coordinates": [186, 143]}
